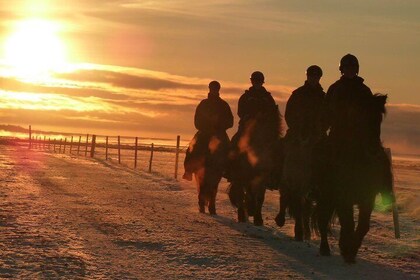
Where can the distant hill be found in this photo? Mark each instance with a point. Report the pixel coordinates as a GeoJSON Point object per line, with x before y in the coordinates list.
{"type": "Point", "coordinates": [13, 128]}
{"type": "Point", "coordinates": [19, 129]}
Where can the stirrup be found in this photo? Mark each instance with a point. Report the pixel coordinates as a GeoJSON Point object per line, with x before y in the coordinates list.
{"type": "Point", "coordinates": [187, 176]}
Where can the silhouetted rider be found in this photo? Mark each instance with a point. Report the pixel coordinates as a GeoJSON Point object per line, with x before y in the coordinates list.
{"type": "Point", "coordinates": [349, 96]}
{"type": "Point", "coordinates": [213, 117]}
{"type": "Point", "coordinates": [255, 103]}
{"type": "Point", "coordinates": [348, 93]}
{"type": "Point", "coordinates": [304, 108]}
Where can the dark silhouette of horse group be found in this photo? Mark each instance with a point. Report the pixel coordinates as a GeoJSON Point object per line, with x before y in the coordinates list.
{"type": "Point", "coordinates": [316, 180]}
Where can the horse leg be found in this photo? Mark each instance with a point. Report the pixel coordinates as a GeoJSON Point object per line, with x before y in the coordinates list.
{"type": "Point", "coordinates": [306, 214]}
{"type": "Point", "coordinates": [242, 213]}
{"type": "Point", "coordinates": [324, 211]}
{"type": "Point", "coordinates": [201, 195]}
{"type": "Point", "coordinates": [212, 200]}
{"type": "Point", "coordinates": [201, 202]}
{"type": "Point", "coordinates": [281, 216]}
{"type": "Point", "coordinates": [250, 201]}
{"type": "Point", "coordinates": [259, 201]}
{"type": "Point", "coordinates": [363, 224]}
{"type": "Point", "coordinates": [296, 209]}
{"type": "Point", "coordinates": [346, 242]}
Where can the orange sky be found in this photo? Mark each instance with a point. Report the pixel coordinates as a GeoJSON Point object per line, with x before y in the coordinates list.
{"type": "Point", "coordinates": [141, 67]}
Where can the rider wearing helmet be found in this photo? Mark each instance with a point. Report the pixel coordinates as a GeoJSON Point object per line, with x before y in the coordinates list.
{"type": "Point", "coordinates": [213, 117]}
{"type": "Point", "coordinates": [348, 93]}
{"type": "Point", "coordinates": [349, 96]}
{"type": "Point", "coordinates": [303, 109]}
{"type": "Point", "coordinates": [255, 103]}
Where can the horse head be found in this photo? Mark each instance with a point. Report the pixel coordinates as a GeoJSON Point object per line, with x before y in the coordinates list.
{"type": "Point", "coordinates": [374, 115]}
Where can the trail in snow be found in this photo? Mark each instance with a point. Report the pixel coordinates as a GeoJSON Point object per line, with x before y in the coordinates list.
{"type": "Point", "coordinates": [69, 217]}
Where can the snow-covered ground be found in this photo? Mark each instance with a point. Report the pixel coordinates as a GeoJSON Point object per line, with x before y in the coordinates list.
{"type": "Point", "coordinates": [71, 217]}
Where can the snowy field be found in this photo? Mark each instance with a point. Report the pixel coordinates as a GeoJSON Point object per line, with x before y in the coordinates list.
{"type": "Point", "coordinates": [69, 217]}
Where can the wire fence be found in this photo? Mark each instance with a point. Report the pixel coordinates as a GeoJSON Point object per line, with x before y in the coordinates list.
{"type": "Point", "coordinates": [133, 152]}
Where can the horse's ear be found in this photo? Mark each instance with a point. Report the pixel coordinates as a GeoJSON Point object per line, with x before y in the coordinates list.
{"type": "Point", "coordinates": [382, 98]}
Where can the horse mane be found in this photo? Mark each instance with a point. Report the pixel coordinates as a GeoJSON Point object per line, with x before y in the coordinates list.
{"type": "Point", "coordinates": [380, 101]}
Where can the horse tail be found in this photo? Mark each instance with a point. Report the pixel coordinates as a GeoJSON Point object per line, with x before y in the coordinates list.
{"type": "Point", "coordinates": [236, 194]}
{"type": "Point", "coordinates": [315, 227]}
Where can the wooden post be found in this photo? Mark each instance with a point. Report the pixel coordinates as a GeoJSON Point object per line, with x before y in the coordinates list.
{"type": "Point", "coordinates": [151, 158]}
{"type": "Point", "coordinates": [119, 149]}
{"type": "Point", "coordinates": [30, 137]}
{"type": "Point", "coordinates": [65, 142]}
{"type": "Point", "coordinates": [135, 152]}
{"type": "Point", "coordinates": [92, 148]}
{"type": "Point", "coordinates": [54, 145]}
{"type": "Point", "coordinates": [178, 140]}
{"type": "Point", "coordinates": [43, 144]}
{"type": "Point", "coordinates": [87, 142]}
{"type": "Point", "coordinates": [394, 199]}
{"type": "Point", "coordinates": [49, 143]}
{"type": "Point", "coordinates": [59, 150]}
{"type": "Point", "coordinates": [106, 148]}
{"type": "Point", "coordinates": [78, 146]}
{"type": "Point", "coordinates": [71, 144]}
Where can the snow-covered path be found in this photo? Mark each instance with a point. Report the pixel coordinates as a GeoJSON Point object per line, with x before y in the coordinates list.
{"type": "Point", "coordinates": [78, 218]}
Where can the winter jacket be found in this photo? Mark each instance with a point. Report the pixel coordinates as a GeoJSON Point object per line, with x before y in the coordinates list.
{"type": "Point", "coordinates": [213, 115]}
{"type": "Point", "coordinates": [345, 99]}
{"type": "Point", "coordinates": [303, 111]}
{"type": "Point", "coordinates": [255, 103]}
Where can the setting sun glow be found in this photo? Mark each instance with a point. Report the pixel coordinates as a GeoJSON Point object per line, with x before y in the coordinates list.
{"type": "Point", "coordinates": [34, 49]}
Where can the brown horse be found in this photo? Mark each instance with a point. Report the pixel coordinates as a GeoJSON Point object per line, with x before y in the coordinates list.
{"type": "Point", "coordinates": [255, 161]}
{"type": "Point", "coordinates": [208, 163]}
{"type": "Point", "coordinates": [353, 174]}
{"type": "Point", "coordinates": [296, 186]}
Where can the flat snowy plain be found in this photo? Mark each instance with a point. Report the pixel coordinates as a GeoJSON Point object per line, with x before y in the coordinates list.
{"type": "Point", "coordinates": [69, 217]}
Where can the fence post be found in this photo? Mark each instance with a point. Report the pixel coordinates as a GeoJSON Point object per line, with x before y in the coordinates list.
{"type": "Point", "coordinates": [178, 140]}
{"type": "Point", "coordinates": [151, 158]}
{"type": "Point", "coordinates": [59, 150]}
{"type": "Point", "coordinates": [119, 149]}
{"type": "Point", "coordinates": [106, 148]}
{"type": "Point", "coordinates": [54, 145]}
{"type": "Point", "coordinates": [87, 142]}
{"type": "Point", "coordinates": [49, 143]}
{"type": "Point", "coordinates": [65, 142]}
{"type": "Point", "coordinates": [30, 137]}
{"type": "Point", "coordinates": [43, 144]}
{"type": "Point", "coordinates": [78, 146]}
{"type": "Point", "coordinates": [135, 152]}
{"type": "Point", "coordinates": [92, 148]}
{"type": "Point", "coordinates": [394, 199]}
{"type": "Point", "coordinates": [71, 144]}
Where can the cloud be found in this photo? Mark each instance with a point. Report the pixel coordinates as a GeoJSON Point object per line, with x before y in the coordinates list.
{"type": "Point", "coordinates": [125, 80]}
{"type": "Point", "coordinates": [101, 98]}
{"type": "Point", "coordinates": [401, 128]}
{"type": "Point", "coordinates": [129, 101]}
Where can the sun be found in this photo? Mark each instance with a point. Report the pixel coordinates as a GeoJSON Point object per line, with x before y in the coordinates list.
{"type": "Point", "coordinates": [34, 49]}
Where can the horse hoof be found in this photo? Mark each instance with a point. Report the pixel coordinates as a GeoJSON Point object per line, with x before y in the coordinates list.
{"type": "Point", "coordinates": [212, 212]}
{"type": "Point", "coordinates": [325, 252]}
{"type": "Point", "coordinates": [280, 220]}
{"type": "Point", "coordinates": [349, 259]}
{"type": "Point", "coordinates": [201, 209]}
{"type": "Point", "coordinates": [299, 238]}
{"type": "Point", "coordinates": [258, 222]}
